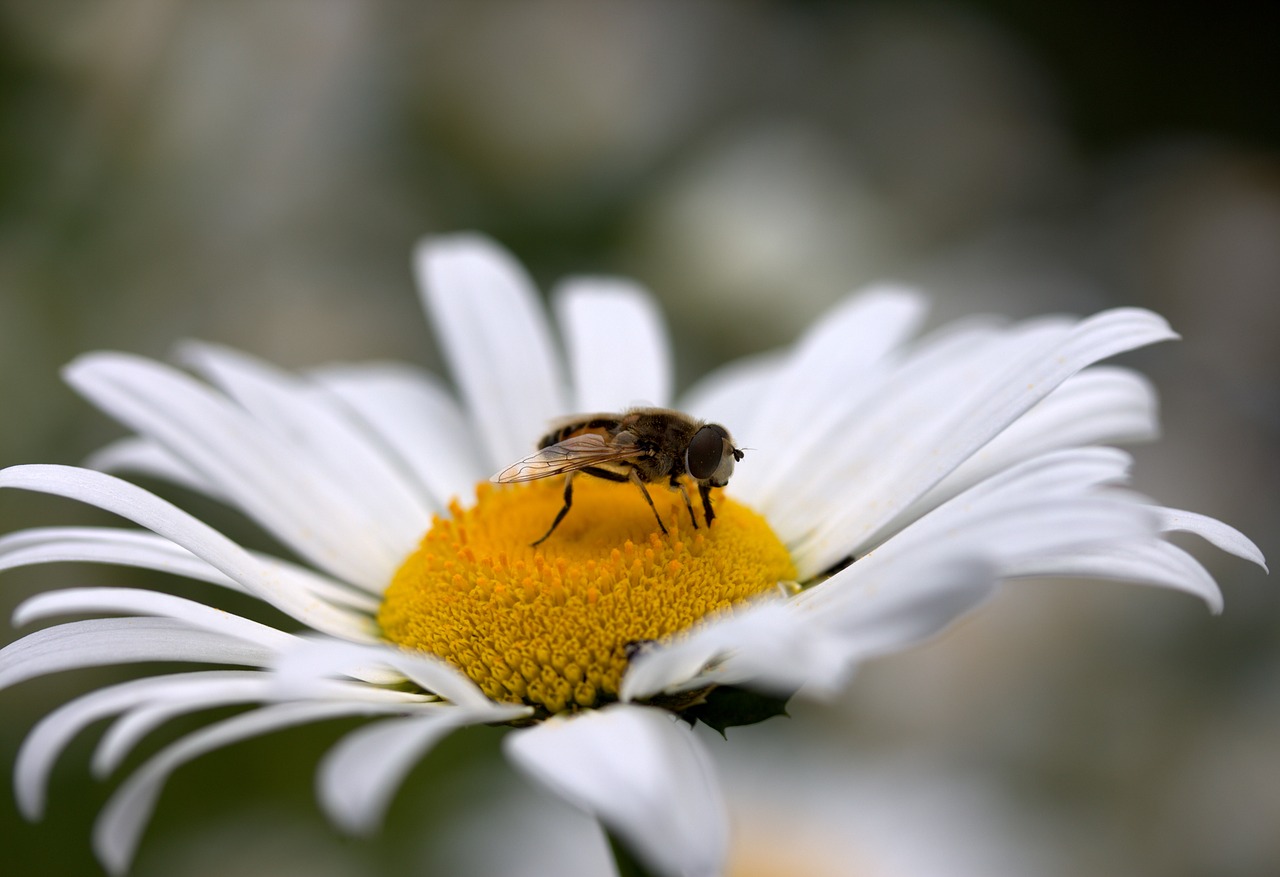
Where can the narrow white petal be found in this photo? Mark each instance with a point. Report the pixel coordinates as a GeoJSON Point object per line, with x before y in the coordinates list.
{"type": "Point", "coordinates": [616, 342]}
{"type": "Point", "coordinates": [145, 550]}
{"type": "Point", "coordinates": [104, 641]}
{"type": "Point", "coordinates": [359, 776]}
{"type": "Point", "coordinates": [834, 367]}
{"type": "Point", "coordinates": [1224, 536]}
{"type": "Point", "coordinates": [106, 545]}
{"type": "Point", "coordinates": [137, 601]}
{"type": "Point", "coordinates": [1100, 405]}
{"type": "Point", "coordinates": [313, 658]}
{"type": "Point", "coordinates": [1144, 563]}
{"type": "Point", "coordinates": [768, 626]}
{"type": "Point", "coordinates": [1056, 473]}
{"type": "Point", "coordinates": [839, 351]}
{"type": "Point", "coordinates": [50, 736]}
{"type": "Point", "coordinates": [1047, 504]}
{"type": "Point", "coordinates": [436, 676]}
{"type": "Point", "coordinates": [209, 692]}
{"type": "Point", "coordinates": [643, 774]}
{"type": "Point", "coordinates": [315, 423]}
{"type": "Point", "coordinates": [1042, 517]}
{"type": "Point", "coordinates": [417, 419]}
{"type": "Point", "coordinates": [1009, 533]}
{"type": "Point", "coordinates": [265, 475]}
{"type": "Point", "coordinates": [496, 339]}
{"type": "Point", "coordinates": [320, 592]}
{"type": "Point", "coordinates": [149, 511]}
{"type": "Point", "coordinates": [141, 719]}
{"type": "Point", "coordinates": [145, 457]}
{"type": "Point", "coordinates": [817, 638]}
{"type": "Point", "coordinates": [869, 611]}
{"type": "Point", "coordinates": [873, 420]}
{"type": "Point", "coordinates": [935, 446]}
{"type": "Point", "coordinates": [119, 827]}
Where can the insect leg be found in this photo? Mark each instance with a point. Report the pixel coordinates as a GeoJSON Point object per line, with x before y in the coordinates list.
{"type": "Point", "coordinates": [677, 484]}
{"type": "Point", "coordinates": [704, 491]}
{"type": "Point", "coordinates": [635, 479]}
{"type": "Point", "coordinates": [568, 501]}
{"type": "Point", "coordinates": [604, 473]}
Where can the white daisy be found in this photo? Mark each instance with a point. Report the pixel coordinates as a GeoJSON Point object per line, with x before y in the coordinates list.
{"type": "Point", "coordinates": [889, 484]}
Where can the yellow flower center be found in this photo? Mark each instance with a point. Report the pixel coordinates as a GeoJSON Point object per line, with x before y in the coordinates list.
{"type": "Point", "coordinates": [552, 626]}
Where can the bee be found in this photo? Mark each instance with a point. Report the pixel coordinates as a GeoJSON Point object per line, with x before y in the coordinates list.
{"type": "Point", "coordinates": [640, 445]}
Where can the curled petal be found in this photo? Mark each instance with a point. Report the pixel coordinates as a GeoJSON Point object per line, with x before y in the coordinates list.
{"type": "Point", "coordinates": [643, 774]}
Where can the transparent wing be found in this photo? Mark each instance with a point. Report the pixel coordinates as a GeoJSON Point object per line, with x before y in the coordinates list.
{"type": "Point", "coordinates": [574, 453]}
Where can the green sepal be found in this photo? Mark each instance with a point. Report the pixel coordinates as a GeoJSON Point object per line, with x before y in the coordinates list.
{"type": "Point", "coordinates": [728, 706]}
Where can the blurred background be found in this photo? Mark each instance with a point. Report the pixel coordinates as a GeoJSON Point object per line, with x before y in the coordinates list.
{"type": "Point", "coordinates": [256, 174]}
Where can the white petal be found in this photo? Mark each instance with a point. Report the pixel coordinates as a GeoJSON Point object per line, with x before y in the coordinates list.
{"type": "Point", "coordinates": [876, 416]}
{"type": "Point", "coordinates": [913, 461]}
{"type": "Point", "coordinates": [319, 426]}
{"type": "Point", "coordinates": [106, 545]}
{"type": "Point", "coordinates": [616, 342]}
{"type": "Point", "coordinates": [729, 394]}
{"type": "Point", "coordinates": [147, 510]}
{"type": "Point", "coordinates": [103, 641]}
{"type": "Point", "coordinates": [145, 457]}
{"type": "Point", "coordinates": [1143, 563]}
{"type": "Point", "coordinates": [1011, 533]}
{"type": "Point", "coordinates": [149, 551]}
{"type": "Point", "coordinates": [643, 774]}
{"type": "Point", "coordinates": [51, 735]}
{"type": "Point", "coordinates": [495, 337]}
{"type": "Point", "coordinates": [359, 776]}
{"type": "Point", "coordinates": [725, 646]}
{"type": "Point", "coordinates": [315, 658]}
{"type": "Point", "coordinates": [320, 591]}
{"type": "Point", "coordinates": [832, 366]}
{"type": "Point", "coordinates": [119, 827]}
{"type": "Point", "coordinates": [871, 611]}
{"type": "Point", "coordinates": [140, 602]}
{"type": "Point", "coordinates": [418, 420]}
{"type": "Point", "coordinates": [1047, 504]}
{"type": "Point", "coordinates": [211, 692]}
{"type": "Point", "coordinates": [198, 694]}
{"type": "Point", "coordinates": [1100, 405]}
{"type": "Point", "coordinates": [817, 638]}
{"type": "Point", "coordinates": [266, 476]}
{"type": "Point", "coordinates": [1028, 522]}
{"type": "Point", "coordinates": [1224, 536]}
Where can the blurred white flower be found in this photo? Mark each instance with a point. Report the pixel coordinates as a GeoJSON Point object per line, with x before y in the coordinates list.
{"type": "Point", "coordinates": [799, 808]}
{"type": "Point", "coordinates": [889, 485]}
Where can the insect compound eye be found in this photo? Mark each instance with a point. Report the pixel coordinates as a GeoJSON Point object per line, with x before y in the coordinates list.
{"type": "Point", "coordinates": [706, 452]}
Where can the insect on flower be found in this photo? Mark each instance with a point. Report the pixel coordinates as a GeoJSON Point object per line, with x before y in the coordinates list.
{"type": "Point", "coordinates": [640, 445]}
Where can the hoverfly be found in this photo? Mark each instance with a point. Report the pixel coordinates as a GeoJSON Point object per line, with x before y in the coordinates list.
{"type": "Point", "coordinates": [640, 445]}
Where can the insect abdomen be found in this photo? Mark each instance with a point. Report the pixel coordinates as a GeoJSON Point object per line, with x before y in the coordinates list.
{"type": "Point", "coordinates": [597, 424]}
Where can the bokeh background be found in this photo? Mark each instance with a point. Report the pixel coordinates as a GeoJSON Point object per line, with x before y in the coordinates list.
{"type": "Point", "coordinates": [256, 174]}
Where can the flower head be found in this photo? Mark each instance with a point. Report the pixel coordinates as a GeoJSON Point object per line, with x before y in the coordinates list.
{"type": "Point", "coordinates": [890, 485]}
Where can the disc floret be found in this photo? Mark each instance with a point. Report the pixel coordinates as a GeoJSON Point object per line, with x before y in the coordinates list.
{"type": "Point", "coordinates": [553, 626]}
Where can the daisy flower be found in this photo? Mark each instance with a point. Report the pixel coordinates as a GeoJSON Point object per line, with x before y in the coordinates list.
{"type": "Point", "coordinates": [889, 484]}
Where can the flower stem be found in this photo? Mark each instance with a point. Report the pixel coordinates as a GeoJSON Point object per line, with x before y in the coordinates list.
{"type": "Point", "coordinates": [628, 864]}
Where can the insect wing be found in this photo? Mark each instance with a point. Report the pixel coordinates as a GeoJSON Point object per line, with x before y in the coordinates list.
{"type": "Point", "coordinates": [574, 453]}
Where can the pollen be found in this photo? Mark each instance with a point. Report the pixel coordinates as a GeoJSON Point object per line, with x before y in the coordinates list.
{"type": "Point", "coordinates": [553, 626]}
